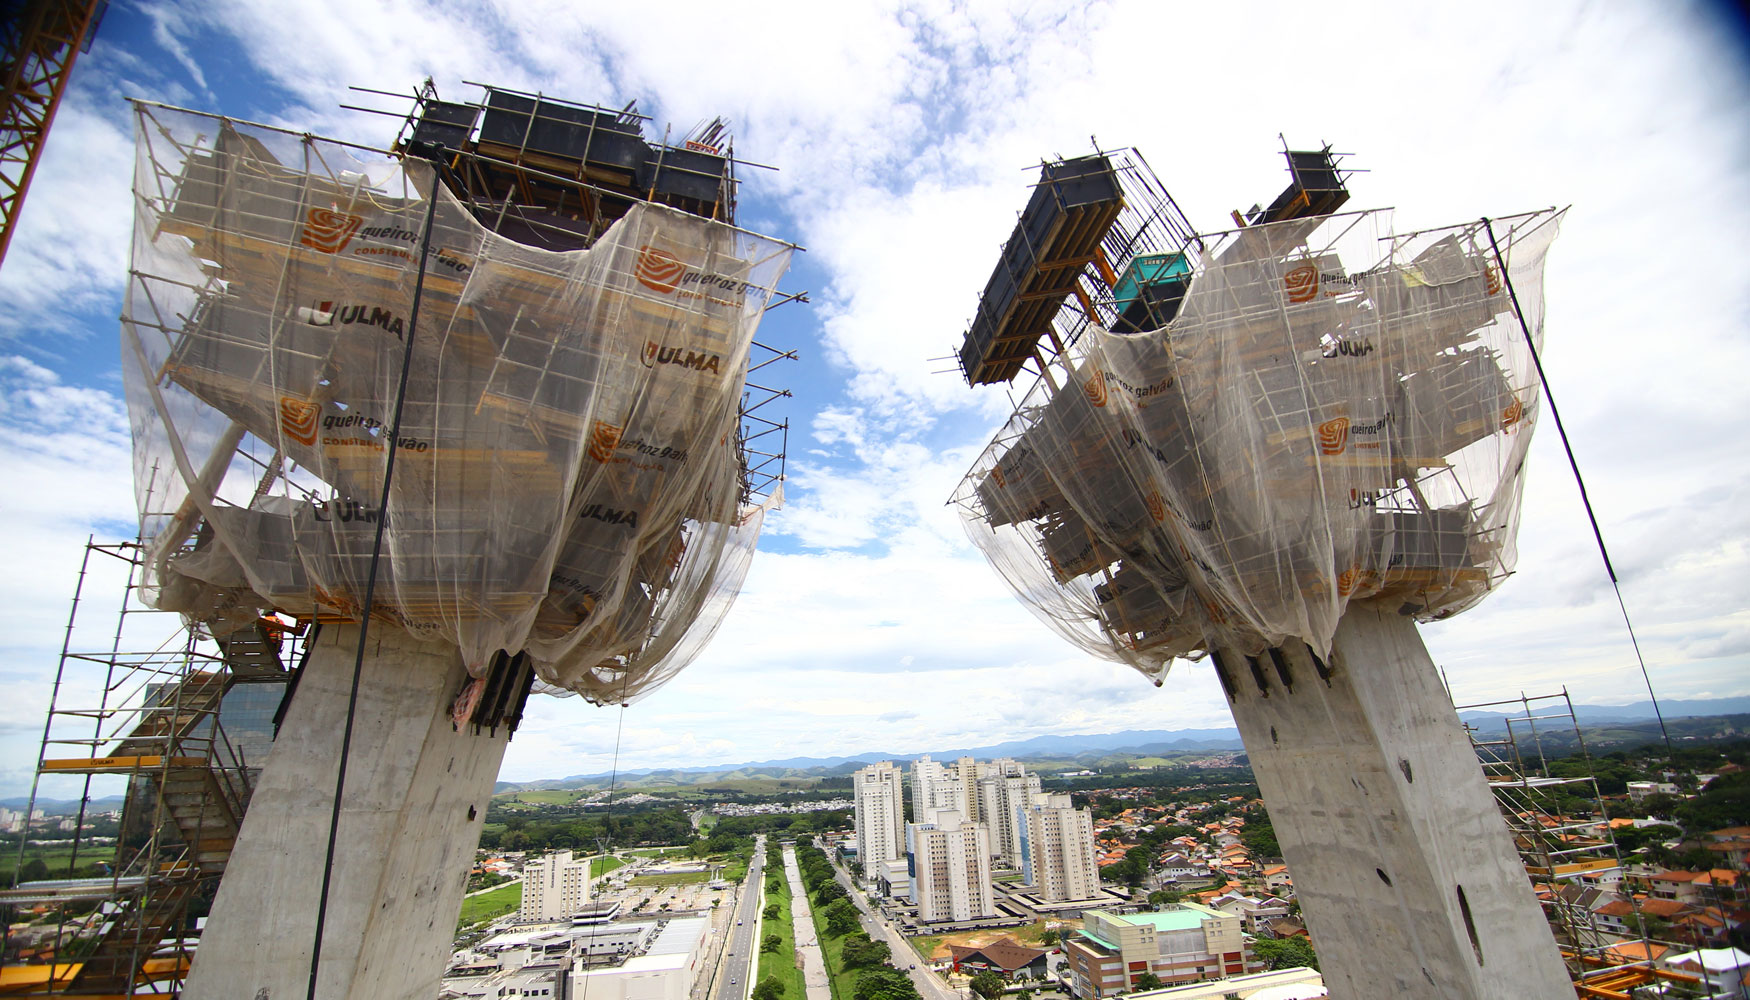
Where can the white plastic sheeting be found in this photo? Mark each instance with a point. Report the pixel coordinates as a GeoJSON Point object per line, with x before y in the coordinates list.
{"type": "Point", "coordinates": [568, 477]}
{"type": "Point", "coordinates": [1336, 414]}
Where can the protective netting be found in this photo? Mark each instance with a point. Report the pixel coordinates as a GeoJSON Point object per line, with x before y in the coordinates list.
{"type": "Point", "coordinates": [568, 479]}
{"type": "Point", "coordinates": [1336, 414]}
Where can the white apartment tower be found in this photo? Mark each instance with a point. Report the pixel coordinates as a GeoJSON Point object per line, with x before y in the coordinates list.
{"type": "Point", "coordinates": [1003, 793]}
{"type": "Point", "coordinates": [950, 866]}
{"type": "Point", "coordinates": [1057, 849]}
{"type": "Point", "coordinates": [879, 812]}
{"type": "Point", "coordinates": [554, 887]}
{"type": "Point", "coordinates": [934, 787]}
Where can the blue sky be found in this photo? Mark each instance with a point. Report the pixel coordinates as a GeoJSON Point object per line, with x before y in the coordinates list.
{"type": "Point", "coordinates": [905, 134]}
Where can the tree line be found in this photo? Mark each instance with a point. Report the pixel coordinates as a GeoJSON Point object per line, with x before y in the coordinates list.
{"type": "Point", "coordinates": [870, 960]}
{"type": "Point", "coordinates": [561, 832]}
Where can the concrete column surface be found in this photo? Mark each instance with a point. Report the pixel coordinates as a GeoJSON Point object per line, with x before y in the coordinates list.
{"type": "Point", "coordinates": [415, 799]}
{"type": "Point", "coordinates": [1404, 868]}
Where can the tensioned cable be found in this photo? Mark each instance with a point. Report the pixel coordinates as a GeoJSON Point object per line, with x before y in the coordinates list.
{"type": "Point", "coordinates": [614, 770]}
{"type": "Point", "coordinates": [358, 665]}
{"type": "Point", "coordinates": [1561, 431]}
{"type": "Point", "coordinates": [613, 780]}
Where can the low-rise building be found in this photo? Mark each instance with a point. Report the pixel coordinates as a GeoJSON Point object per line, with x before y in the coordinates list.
{"type": "Point", "coordinates": [1179, 943]}
{"type": "Point", "coordinates": [664, 971]}
{"type": "Point", "coordinates": [1277, 984]}
{"type": "Point", "coordinates": [896, 880]}
{"type": "Point", "coordinates": [1639, 790]}
{"type": "Point", "coordinates": [550, 942]}
{"type": "Point", "coordinates": [1005, 956]}
{"type": "Point", "coordinates": [1724, 971]}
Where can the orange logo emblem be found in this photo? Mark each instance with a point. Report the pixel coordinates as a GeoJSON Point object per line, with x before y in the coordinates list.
{"type": "Point", "coordinates": [1492, 279]}
{"type": "Point", "coordinates": [658, 270]}
{"type": "Point", "coordinates": [1346, 581]}
{"type": "Point", "coordinates": [1216, 615]}
{"type": "Point", "coordinates": [1157, 508]}
{"type": "Point", "coordinates": [1334, 435]}
{"type": "Point", "coordinates": [298, 419]}
{"type": "Point", "coordinates": [1514, 412]}
{"type": "Point", "coordinates": [996, 473]}
{"type": "Point", "coordinates": [603, 439]}
{"type": "Point", "coordinates": [1302, 283]}
{"type": "Point", "coordinates": [1096, 389]}
{"type": "Point", "coordinates": [328, 231]}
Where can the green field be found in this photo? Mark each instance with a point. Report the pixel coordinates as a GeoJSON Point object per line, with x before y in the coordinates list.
{"type": "Point", "coordinates": [602, 864]}
{"type": "Point", "coordinates": [781, 964]}
{"type": "Point", "coordinates": [490, 905]}
{"type": "Point", "coordinates": [734, 867]}
{"type": "Point", "coordinates": [656, 852]}
{"type": "Point", "coordinates": [58, 856]}
{"type": "Point", "coordinates": [679, 878]}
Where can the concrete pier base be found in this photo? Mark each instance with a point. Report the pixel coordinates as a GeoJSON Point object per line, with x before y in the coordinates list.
{"type": "Point", "coordinates": [415, 799]}
{"type": "Point", "coordinates": [1405, 872]}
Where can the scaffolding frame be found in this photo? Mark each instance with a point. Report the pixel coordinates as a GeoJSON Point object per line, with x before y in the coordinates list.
{"type": "Point", "coordinates": [1561, 853]}
{"type": "Point", "coordinates": [762, 440]}
{"type": "Point", "coordinates": [147, 714]}
{"type": "Point", "coordinates": [466, 173]}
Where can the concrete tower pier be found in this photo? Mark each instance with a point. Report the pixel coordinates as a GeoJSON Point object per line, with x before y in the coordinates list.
{"type": "Point", "coordinates": [1405, 873]}
{"type": "Point", "coordinates": [416, 794]}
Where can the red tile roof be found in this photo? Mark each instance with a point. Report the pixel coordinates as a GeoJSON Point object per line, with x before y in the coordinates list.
{"type": "Point", "coordinates": [1004, 953]}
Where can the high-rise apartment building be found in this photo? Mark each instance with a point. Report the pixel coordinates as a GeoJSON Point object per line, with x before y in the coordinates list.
{"type": "Point", "coordinates": [879, 813]}
{"type": "Point", "coordinates": [1057, 849]}
{"type": "Point", "coordinates": [1002, 794]}
{"type": "Point", "coordinates": [950, 868]}
{"type": "Point", "coordinates": [933, 787]}
{"type": "Point", "coordinates": [554, 886]}
{"type": "Point", "coordinates": [967, 772]}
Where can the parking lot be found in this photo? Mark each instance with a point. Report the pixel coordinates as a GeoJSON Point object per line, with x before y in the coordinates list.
{"type": "Point", "coordinates": [650, 899]}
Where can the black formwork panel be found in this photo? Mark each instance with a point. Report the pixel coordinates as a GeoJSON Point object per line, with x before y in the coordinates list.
{"type": "Point", "coordinates": [682, 173]}
{"type": "Point", "coordinates": [1315, 188]}
{"type": "Point", "coordinates": [1070, 211]}
{"type": "Point", "coordinates": [445, 125]}
{"type": "Point", "coordinates": [596, 137]}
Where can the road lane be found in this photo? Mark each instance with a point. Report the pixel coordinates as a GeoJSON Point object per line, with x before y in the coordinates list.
{"type": "Point", "coordinates": [734, 978]}
{"type": "Point", "coordinates": [929, 985]}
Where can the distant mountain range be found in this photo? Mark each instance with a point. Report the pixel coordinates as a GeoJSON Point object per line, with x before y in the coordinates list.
{"type": "Point", "coordinates": [1131, 742]}
{"type": "Point", "coordinates": [1493, 720]}
{"type": "Point", "coordinates": [1136, 742]}
{"type": "Point", "coordinates": [1081, 750]}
